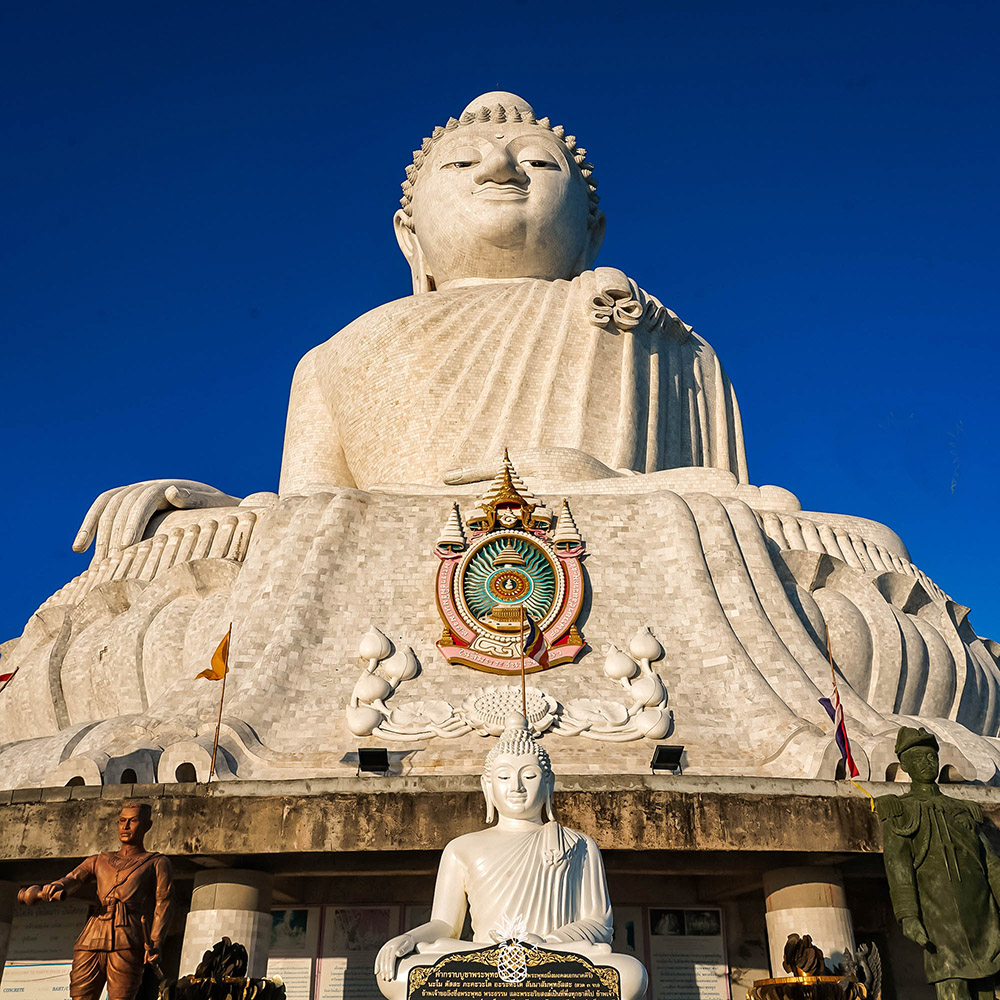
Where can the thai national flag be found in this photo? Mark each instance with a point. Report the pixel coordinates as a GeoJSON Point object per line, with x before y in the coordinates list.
{"type": "Point", "coordinates": [836, 712]}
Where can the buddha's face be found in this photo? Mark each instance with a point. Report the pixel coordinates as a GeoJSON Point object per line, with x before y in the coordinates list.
{"type": "Point", "coordinates": [921, 763]}
{"type": "Point", "coordinates": [502, 200]}
{"type": "Point", "coordinates": [518, 786]}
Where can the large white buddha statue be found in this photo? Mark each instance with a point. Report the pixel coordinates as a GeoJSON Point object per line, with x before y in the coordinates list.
{"type": "Point", "coordinates": [508, 341]}
{"type": "Point", "coordinates": [615, 413]}
{"type": "Point", "coordinates": [524, 871]}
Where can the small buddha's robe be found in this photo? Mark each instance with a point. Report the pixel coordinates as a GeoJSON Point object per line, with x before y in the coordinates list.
{"type": "Point", "coordinates": [552, 877]}
{"type": "Point", "coordinates": [942, 871]}
{"type": "Point", "coordinates": [448, 379]}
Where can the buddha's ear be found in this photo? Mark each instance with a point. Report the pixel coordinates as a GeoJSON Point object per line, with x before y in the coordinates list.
{"type": "Point", "coordinates": [549, 785]}
{"type": "Point", "coordinates": [596, 230]}
{"type": "Point", "coordinates": [410, 247]}
{"type": "Point", "coordinates": [488, 795]}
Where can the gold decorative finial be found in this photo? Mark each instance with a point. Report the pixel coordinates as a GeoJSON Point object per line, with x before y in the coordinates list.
{"type": "Point", "coordinates": [509, 502]}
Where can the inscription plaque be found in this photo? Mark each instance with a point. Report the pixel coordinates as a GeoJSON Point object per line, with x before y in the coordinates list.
{"type": "Point", "coordinates": [473, 975]}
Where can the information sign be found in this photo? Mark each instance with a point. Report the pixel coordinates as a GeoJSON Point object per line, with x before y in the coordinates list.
{"type": "Point", "coordinates": [687, 954]}
{"type": "Point", "coordinates": [530, 974]}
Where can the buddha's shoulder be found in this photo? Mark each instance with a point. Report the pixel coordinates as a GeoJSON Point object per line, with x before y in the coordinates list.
{"type": "Point", "coordinates": [411, 310]}
{"type": "Point", "coordinates": [470, 846]}
{"type": "Point", "coordinates": [605, 297]}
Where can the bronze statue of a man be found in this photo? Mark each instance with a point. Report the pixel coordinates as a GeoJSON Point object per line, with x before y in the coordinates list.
{"type": "Point", "coordinates": [133, 898]}
{"type": "Point", "coordinates": [944, 878]}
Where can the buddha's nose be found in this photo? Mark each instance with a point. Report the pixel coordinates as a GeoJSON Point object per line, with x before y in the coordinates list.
{"type": "Point", "coordinates": [500, 167]}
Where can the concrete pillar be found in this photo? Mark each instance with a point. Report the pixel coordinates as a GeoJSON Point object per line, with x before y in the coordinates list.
{"type": "Point", "coordinates": [807, 901]}
{"type": "Point", "coordinates": [227, 902]}
{"type": "Point", "coordinates": [8, 897]}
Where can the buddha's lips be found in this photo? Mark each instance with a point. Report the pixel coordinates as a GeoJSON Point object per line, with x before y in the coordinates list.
{"type": "Point", "coordinates": [491, 188]}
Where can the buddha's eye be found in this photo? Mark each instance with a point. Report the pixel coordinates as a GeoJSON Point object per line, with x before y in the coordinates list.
{"type": "Point", "coordinates": [537, 159]}
{"type": "Point", "coordinates": [461, 159]}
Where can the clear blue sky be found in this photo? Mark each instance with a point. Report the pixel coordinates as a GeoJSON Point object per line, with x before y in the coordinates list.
{"type": "Point", "coordinates": [194, 194]}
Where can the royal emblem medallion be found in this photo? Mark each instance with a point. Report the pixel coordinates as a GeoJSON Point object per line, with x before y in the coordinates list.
{"type": "Point", "coordinates": [510, 582]}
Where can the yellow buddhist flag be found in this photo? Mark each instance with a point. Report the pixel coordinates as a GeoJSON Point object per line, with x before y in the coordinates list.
{"type": "Point", "coordinates": [220, 660]}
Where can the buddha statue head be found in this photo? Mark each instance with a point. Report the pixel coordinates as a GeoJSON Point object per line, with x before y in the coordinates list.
{"type": "Point", "coordinates": [517, 777]}
{"type": "Point", "coordinates": [498, 194]}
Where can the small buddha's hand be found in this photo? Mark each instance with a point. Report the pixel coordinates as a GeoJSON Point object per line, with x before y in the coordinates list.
{"type": "Point", "coordinates": [914, 929]}
{"type": "Point", "coordinates": [119, 517]}
{"type": "Point", "coordinates": [390, 953]}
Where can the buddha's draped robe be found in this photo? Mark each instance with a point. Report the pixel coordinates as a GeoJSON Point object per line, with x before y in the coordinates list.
{"type": "Point", "coordinates": [941, 871]}
{"type": "Point", "coordinates": [448, 379]}
{"type": "Point", "coordinates": [553, 877]}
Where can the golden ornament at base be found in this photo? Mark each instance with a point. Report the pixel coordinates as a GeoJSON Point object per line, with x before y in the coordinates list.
{"type": "Point", "coordinates": [806, 988]}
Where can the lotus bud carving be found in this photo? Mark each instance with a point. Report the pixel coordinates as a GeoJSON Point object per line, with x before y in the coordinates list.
{"type": "Point", "coordinates": [618, 665]}
{"type": "Point", "coordinates": [401, 666]}
{"type": "Point", "coordinates": [374, 645]}
{"type": "Point", "coordinates": [362, 720]}
{"type": "Point", "coordinates": [371, 688]}
{"type": "Point", "coordinates": [644, 645]}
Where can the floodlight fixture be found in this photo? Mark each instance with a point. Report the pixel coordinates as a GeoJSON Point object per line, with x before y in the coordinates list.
{"type": "Point", "coordinates": [374, 760]}
{"type": "Point", "coordinates": [667, 758]}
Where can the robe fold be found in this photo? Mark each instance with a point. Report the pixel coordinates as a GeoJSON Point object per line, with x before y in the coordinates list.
{"type": "Point", "coordinates": [551, 877]}
{"type": "Point", "coordinates": [448, 379]}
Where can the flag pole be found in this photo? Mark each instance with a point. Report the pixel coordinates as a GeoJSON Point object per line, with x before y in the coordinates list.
{"type": "Point", "coordinates": [833, 676]}
{"type": "Point", "coordinates": [524, 691]}
{"type": "Point", "coordinates": [7, 678]}
{"type": "Point", "coordinates": [829, 653]}
{"type": "Point", "coordinates": [222, 695]}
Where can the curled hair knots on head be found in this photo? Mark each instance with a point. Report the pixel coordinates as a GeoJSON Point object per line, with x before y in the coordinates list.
{"type": "Point", "coordinates": [517, 741]}
{"type": "Point", "coordinates": [499, 114]}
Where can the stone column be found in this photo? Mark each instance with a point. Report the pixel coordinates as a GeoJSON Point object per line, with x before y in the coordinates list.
{"type": "Point", "coordinates": [8, 897]}
{"type": "Point", "coordinates": [227, 902]}
{"type": "Point", "coordinates": [807, 901]}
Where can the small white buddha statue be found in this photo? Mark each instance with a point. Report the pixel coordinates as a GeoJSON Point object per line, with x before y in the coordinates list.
{"type": "Point", "coordinates": [525, 868]}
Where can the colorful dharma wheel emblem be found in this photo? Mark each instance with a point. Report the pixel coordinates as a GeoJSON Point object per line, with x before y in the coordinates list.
{"type": "Point", "coordinates": [508, 583]}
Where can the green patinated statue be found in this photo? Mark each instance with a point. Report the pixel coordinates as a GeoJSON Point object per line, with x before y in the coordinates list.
{"type": "Point", "coordinates": [943, 875]}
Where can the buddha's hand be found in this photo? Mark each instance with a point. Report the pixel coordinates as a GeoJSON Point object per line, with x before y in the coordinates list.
{"type": "Point", "coordinates": [527, 938]}
{"type": "Point", "coordinates": [568, 464]}
{"type": "Point", "coordinates": [915, 931]}
{"type": "Point", "coordinates": [390, 953]}
{"type": "Point", "coordinates": [119, 517]}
